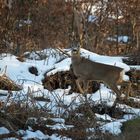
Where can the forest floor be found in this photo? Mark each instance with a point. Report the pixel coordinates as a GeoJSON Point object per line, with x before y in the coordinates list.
{"type": "Point", "coordinates": [39, 99]}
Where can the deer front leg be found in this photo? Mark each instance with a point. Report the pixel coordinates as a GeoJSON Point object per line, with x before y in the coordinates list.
{"type": "Point", "coordinates": [114, 87]}
{"type": "Point", "coordinates": [79, 87]}
{"type": "Point", "coordinates": [85, 85]}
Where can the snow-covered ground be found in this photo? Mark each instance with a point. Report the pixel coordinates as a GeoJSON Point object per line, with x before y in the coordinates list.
{"type": "Point", "coordinates": [55, 62]}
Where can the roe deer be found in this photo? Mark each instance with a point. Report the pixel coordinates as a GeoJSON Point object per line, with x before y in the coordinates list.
{"type": "Point", "coordinates": [86, 70]}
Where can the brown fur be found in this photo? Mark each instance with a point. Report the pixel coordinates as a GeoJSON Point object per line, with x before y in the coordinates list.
{"type": "Point", "coordinates": [86, 70]}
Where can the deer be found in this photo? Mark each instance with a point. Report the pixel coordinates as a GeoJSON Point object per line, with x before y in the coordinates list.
{"type": "Point", "coordinates": [86, 70]}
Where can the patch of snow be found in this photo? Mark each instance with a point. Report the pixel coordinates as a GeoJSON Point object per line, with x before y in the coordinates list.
{"type": "Point", "coordinates": [135, 67]}
{"type": "Point", "coordinates": [129, 110]}
{"type": "Point", "coordinates": [104, 117]}
{"type": "Point", "coordinates": [112, 127]}
{"type": "Point", "coordinates": [62, 66]}
{"type": "Point", "coordinates": [58, 120]}
{"type": "Point", "coordinates": [104, 95]}
{"type": "Point", "coordinates": [129, 117]}
{"type": "Point", "coordinates": [123, 39]}
{"type": "Point", "coordinates": [28, 134]}
{"type": "Point", "coordinates": [60, 126]}
{"type": "Point", "coordinates": [92, 18]}
{"type": "Point", "coordinates": [58, 137]}
{"type": "Point", "coordinates": [4, 130]}
{"type": "Point", "coordinates": [34, 135]}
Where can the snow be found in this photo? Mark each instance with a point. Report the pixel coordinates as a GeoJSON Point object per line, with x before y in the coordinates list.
{"type": "Point", "coordinates": [18, 72]}
{"type": "Point", "coordinates": [4, 130]}
{"type": "Point", "coordinates": [59, 126]}
{"type": "Point", "coordinates": [60, 120]}
{"type": "Point", "coordinates": [135, 67]}
{"type": "Point", "coordinates": [104, 117]}
{"type": "Point", "coordinates": [122, 39]}
{"type": "Point", "coordinates": [104, 95]}
{"type": "Point", "coordinates": [56, 137]}
{"type": "Point", "coordinates": [29, 134]}
{"type": "Point", "coordinates": [112, 127]}
{"type": "Point", "coordinates": [92, 18]}
{"type": "Point", "coordinates": [62, 66]}
{"type": "Point", "coordinates": [102, 6]}
{"type": "Point", "coordinates": [129, 116]}
{"type": "Point", "coordinates": [36, 135]}
{"type": "Point", "coordinates": [129, 110]}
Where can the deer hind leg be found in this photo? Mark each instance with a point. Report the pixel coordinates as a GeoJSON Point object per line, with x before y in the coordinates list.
{"type": "Point", "coordinates": [114, 87]}
{"type": "Point", "coordinates": [127, 84]}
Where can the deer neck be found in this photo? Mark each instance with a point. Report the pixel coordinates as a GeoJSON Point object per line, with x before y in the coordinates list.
{"type": "Point", "coordinates": [76, 59]}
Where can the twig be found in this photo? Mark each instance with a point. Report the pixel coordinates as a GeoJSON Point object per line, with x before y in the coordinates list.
{"type": "Point", "coordinates": [11, 134]}
{"type": "Point", "coordinates": [59, 49]}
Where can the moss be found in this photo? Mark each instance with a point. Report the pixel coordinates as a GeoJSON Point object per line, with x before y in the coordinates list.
{"type": "Point", "coordinates": [132, 125]}
{"type": "Point", "coordinates": [131, 129]}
